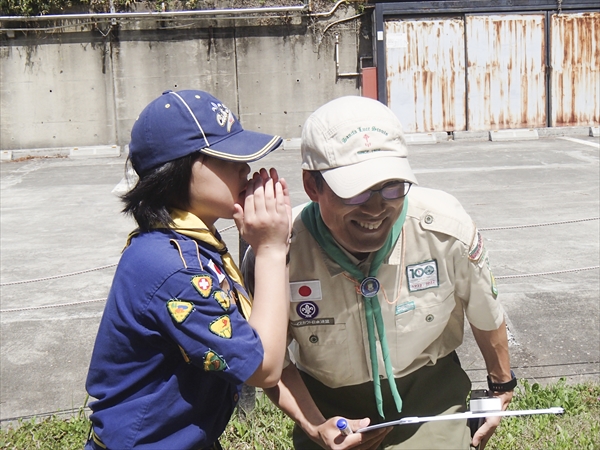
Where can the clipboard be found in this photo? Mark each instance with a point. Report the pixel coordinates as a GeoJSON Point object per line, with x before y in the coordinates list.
{"type": "Point", "coordinates": [463, 415]}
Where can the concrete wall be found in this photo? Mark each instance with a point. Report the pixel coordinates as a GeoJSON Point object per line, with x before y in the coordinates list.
{"type": "Point", "coordinates": [55, 94]}
{"type": "Point", "coordinates": [74, 87]}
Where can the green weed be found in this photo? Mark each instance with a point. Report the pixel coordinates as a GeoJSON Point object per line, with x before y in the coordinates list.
{"type": "Point", "coordinates": [578, 428]}
{"type": "Point", "coordinates": [51, 433]}
{"type": "Point", "coordinates": [267, 428]}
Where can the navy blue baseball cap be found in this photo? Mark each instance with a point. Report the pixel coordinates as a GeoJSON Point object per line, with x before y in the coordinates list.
{"type": "Point", "coordinates": [177, 124]}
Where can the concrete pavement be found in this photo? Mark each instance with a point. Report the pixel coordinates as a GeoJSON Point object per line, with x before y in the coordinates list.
{"type": "Point", "coordinates": [59, 216]}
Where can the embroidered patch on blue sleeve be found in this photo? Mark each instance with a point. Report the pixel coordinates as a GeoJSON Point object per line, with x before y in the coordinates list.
{"type": "Point", "coordinates": [213, 362]}
{"type": "Point", "coordinates": [203, 284]}
{"type": "Point", "coordinates": [179, 310]}
{"type": "Point", "coordinates": [221, 326]}
{"type": "Point", "coordinates": [222, 298]}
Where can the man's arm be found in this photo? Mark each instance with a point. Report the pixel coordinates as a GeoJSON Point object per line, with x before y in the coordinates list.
{"type": "Point", "coordinates": [494, 348]}
{"type": "Point", "coordinates": [293, 398]}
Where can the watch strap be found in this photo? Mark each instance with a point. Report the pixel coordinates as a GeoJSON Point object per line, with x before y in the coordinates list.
{"type": "Point", "coordinates": [503, 387]}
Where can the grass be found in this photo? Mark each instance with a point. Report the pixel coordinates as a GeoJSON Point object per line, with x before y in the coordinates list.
{"type": "Point", "coordinates": [266, 428]}
{"type": "Point", "coordinates": [578, 428]}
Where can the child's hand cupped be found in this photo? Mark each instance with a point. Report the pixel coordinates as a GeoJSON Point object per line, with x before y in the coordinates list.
{"type": "Point", "coordinates": [265, 218]}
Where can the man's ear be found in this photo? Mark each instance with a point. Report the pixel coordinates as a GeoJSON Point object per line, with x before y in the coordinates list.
{"type": "Point", "coordinates": [310, 186]}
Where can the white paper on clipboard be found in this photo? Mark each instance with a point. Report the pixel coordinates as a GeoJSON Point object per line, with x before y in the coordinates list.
{"type": "Point", "coordinates": [463, 415]}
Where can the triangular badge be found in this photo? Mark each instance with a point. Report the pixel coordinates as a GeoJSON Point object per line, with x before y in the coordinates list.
{"type": "Point", "coordinates": [203, 284]}
{"type": "Point", "coordinates": [221, 327]}
{"type": "Point", "coordinates": [213, 362]}
{"type": "Point", "coordinates": [179, 310]}
{"type": "Point", "coordinates": [222, 298]}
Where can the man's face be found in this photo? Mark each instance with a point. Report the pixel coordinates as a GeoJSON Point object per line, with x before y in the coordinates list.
{"type": "Point", "coordinates": [360, 229]}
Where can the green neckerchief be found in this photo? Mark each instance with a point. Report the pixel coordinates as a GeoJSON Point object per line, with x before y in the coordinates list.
{"type": "Point", "coordinates": [311, 216]}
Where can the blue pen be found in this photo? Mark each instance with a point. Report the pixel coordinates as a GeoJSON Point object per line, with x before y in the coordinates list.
{"type": "Point", "coordinates": [344, 427]}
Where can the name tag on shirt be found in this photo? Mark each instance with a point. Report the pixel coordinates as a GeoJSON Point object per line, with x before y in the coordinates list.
{"type": "Point", "coordinates": [422, 276]}
{"type": "Point", "coordinates": [306, 290]}
{"type": "Point", "coordinates": [405, 307]}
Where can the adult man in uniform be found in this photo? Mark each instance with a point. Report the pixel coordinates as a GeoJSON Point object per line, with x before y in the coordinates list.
{"type": "Point", "coordinates": [382, 274]}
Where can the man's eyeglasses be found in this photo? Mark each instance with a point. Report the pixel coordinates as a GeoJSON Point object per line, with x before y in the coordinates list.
{"type": "Point", "coordinates": [391, 191]}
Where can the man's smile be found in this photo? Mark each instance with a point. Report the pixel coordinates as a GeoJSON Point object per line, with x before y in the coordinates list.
{"type": "Point", "coordinates": [370, 225]}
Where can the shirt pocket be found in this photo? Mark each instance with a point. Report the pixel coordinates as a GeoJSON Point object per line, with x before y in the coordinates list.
{"type": "Point", "coordinates": [432, 312]}
{"type": "Point", "coordinates": [404, 314]}
{"type": "Point", "coordinates": [418, 328]}
{"type": "Point", "coordinates": [321, 350]}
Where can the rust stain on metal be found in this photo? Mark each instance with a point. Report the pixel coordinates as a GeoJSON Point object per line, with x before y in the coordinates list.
{"type": "Point", "coordinates": [505, 68]}
{"type": "Point", "coordinates": [575, 62]}
{"type": "Point", "coordinates": [426, 72]}
{"type": "Point", "coordinates": [506, 82]}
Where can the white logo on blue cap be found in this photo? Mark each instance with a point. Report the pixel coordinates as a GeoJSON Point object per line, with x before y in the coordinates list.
{"type": "Point", "coordinates": [224, 116]}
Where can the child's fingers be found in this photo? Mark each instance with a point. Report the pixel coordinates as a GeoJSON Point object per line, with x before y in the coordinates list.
{"type": "Point", "coordinates": [266, 211]}
{"type": "Point", "coordinates": [238, 216]}
{"type": "Point", "coordinates": [280, 199]}
{"type": "Point", "coordinates": [284, 185]}
{"type": "Point", "coordinates": [249, 199]}
{"type": "Point", "coordinates": [273, 173]}
{"type": "Point", "coordinates": [270, 189]}
{"type": "Point", "coordinates": [264, 174]}
{"type": "Point", "coordinates": [259, 197]}
{"type": "Point", "coordinates": [286, 193]}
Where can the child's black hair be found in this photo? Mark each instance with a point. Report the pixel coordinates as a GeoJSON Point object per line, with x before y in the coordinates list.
{"type": "Point", "coordinates": [158, 190]}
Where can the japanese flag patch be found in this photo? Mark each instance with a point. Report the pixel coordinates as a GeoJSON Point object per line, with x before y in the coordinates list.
{"type": "Point", "coordinates": [179, 310]}
{"type": "Point", "coordinates": [217, 271]}
{"type": "Point", "coordinates": [306, 290]}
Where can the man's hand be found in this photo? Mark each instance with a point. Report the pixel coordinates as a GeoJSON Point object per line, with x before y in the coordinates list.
{"type": "Point", "coordinates": [328, 436]}
{"type": "Point", "coordinates": [494, 348]}
{"type": "Point", "coordinates": [484, 433]}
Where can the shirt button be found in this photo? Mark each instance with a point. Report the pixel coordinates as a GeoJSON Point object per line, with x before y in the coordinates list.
{"type": "Point", "coordinates": [428, 219]}
{"type": "Point", "coordinates": [236, 397]}
{"type": "Point", "coordinates": [429, 318]}
{"type": "Point", "coordinates": [313, 339]}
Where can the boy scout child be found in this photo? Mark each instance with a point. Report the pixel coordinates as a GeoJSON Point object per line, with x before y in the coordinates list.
{"type": "Point", "coordinates": [382, 273]}
{"type": "Point", "coordinates": [177, 338]}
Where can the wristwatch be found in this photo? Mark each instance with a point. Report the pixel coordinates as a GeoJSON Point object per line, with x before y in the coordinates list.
{"type": "Point", "coordinates": [503, 387]}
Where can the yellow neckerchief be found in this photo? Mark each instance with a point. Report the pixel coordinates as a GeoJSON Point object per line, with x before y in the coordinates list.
{"type": "Point", "coordinates": [192, 226]}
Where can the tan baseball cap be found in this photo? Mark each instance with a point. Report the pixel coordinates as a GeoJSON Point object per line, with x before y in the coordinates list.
{"type": "Point", "coordinates": [356, 142]}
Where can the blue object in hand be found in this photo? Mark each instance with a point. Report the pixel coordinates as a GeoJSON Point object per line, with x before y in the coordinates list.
{"type": "Point", "coordinates": [344, 427]}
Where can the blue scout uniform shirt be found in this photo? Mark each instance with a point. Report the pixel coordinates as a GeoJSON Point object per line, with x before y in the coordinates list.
{"type": "Point", "coordinates": [172, 348]}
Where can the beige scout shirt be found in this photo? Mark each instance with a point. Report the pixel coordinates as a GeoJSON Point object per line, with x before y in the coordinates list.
{"type": "Point", "coordinates": [437, 272]}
